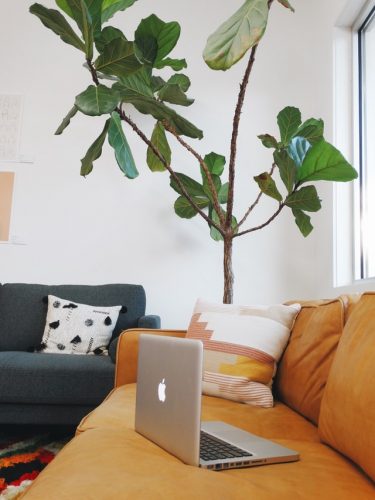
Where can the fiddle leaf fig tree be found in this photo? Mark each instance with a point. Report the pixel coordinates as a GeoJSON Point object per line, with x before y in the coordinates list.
{"type": "Point", "coordinates": [126, 70]}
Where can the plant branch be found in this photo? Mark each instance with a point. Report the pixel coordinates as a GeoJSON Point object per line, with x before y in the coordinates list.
{"type": "Point", "coordinates": [261, 226]}
{"type": "Point", "coordinates": [236, 123]}
{"type": "Point", "coordinates": [139, 132]}
{"type": "Point", "coordinates": [128, 120]}
{"type": "Point", "coordinates": [215, 199]}
{"type": "Point", "coordinates": [92, 71]}
{"type": "Point", "coordinates": [251, 207]}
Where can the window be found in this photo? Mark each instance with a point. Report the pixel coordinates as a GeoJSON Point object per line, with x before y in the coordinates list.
{"type": "Point", "coordinates": [366, 145]}
{"type": "Point", "coordinates": [354, 135]}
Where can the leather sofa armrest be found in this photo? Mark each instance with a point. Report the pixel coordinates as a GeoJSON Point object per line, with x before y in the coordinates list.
{"type": "Point", "coordinates": [127, 352]}
{"type": "Point", "coordinates": [149, 321]}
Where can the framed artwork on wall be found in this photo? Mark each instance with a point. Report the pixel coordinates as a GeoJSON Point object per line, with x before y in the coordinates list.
{"type": "Point", "coordinates": [10, 125]}
{"type": "Point", "coordinates": [6, 201]}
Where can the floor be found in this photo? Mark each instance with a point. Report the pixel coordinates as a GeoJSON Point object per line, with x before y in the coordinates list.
{"type": "Point", "coordinates": [25, 451]}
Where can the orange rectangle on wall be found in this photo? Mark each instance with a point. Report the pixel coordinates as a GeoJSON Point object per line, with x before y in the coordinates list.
{"type": "Point", "coordinates": [6, 197]}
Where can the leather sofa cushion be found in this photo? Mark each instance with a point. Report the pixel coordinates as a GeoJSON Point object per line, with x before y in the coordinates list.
{"type": "Point", "coordinates": [347, 418]}
{"type": "Point", "coordinates": [118, 411]}
{"type": "Point", "coordinates": [23, 313]}
{"type": "Point", "coordinates": [304, 367]}
{"type": "Point", "coordinates": [119, 463]}
{"type": "Point", "coordinates": [54, 378]}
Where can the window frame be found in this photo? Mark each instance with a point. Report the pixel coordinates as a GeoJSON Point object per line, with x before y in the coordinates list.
{"type": "Point", "coordinates": [359, 29]}
{"type": "Point", "coordinates": [346, 220]}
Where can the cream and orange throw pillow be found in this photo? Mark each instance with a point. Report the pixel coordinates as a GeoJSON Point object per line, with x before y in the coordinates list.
{"type": "Point", "coordinates": [242, 345]}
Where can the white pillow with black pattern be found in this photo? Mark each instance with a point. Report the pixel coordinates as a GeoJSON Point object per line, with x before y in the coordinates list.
{"type": "Point", "coordinates": [73, 328]}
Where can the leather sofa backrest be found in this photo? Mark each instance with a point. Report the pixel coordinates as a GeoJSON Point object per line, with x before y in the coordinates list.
{"type": "Point", "coordinates": [303, 370]}
{"type": "Point", "coordinates": [23, 312]}
{"type": "Point", "coordinates": [347, 416]}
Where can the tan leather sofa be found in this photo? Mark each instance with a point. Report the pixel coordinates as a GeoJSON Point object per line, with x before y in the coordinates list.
{"type": "Point", "coordinates": [325, 410]}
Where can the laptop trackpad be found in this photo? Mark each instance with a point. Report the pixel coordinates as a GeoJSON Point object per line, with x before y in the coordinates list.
{"type": "Point", "coordinates": [256, 445]}
{"type": "Point", "coordinates": [229, 433]}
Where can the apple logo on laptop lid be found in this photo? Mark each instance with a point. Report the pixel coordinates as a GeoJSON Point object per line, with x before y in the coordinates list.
{"type": "Point", "coordinates": [161, 390]}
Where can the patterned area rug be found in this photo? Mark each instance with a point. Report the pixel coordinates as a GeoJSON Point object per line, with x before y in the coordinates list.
{"type": "Point", "coordinates": [24, 452]}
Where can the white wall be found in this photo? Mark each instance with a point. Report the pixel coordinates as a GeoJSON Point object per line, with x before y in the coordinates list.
{"type": "Point", "coordinates": [106, 228]}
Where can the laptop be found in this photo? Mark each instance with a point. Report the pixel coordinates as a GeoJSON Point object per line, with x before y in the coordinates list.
{"type": "Point", "coordinates": [168, 410]}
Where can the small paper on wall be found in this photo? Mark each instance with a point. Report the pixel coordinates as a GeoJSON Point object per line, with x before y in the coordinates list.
{"type": "Point", "coordinates": [6, 198]}
{"type": "Point", "coordinates": [10, 122]}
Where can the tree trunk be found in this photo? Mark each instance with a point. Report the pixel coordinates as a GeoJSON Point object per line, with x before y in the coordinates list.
{"type": "Point", "coordinates": [228, 272]}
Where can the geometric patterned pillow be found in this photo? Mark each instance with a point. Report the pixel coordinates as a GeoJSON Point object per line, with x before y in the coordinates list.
{"type": "Point", "coordinates": [73, 328]}
{"type": "Point", "coordinates": [242, 345]}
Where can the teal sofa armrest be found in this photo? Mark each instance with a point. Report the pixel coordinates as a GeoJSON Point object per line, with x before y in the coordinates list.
{"type": "Point", "coordinates": [148, 321]}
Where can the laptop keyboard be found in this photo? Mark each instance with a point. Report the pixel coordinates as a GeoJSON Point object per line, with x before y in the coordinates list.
{"type": "Point", "coordinates": [212, 448]}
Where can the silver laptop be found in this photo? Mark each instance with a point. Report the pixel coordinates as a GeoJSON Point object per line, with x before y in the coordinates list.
{"type": "Point", "coordinates": [168, 410]}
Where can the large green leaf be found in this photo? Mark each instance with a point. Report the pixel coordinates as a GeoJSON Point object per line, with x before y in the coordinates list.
{"type": "Point", "coordinates": [117, 140]}
{"type": "Point", "coordinates": [268, 186]}
{"type": "Point", "coordinates": [146, 49]}
{"type": "Point", "coordinates": [171, 92]}
{"type": "Point", "coordinates": [175, 64]}
{"type": "Point", "coordinates": [82, 17]}
{"type": "Point", "coordinates": [215, 163]}
{"type": "Point", "coordinates": [303, 221]}
{"type": "Point", "coordinates": [305, 198]}
{"type": "Point", "coordinates": [95, 10]}
{"type": "Point", "coordinates": [312, 130]}
{"type": "Point", "coordinates": [180, 124]}
{"type": "Point", "coordinates": [56, 22]}
{"type": "Point", "coordinates": [110, 7]}
{"type": "Point", "coordinates": [97, 100]}
{"type": "Point", "coordinates": [159, 140]}
{"type": "Point", "coordinates": [193, 188]}
{"type": "Point", "coordinates": [138, 83]}
{"type": "Point", "coordinates": [87, 31]}
{"type": "Point", "coordinates": [237, 35]}
{"type": "Point", "coordinates": [214, 233]}
{"type": "Point", "coordinates": [268, 141]}
{"type": "Point", "coordinates": [94, 151]}
{"type": "Point", "coordinates": [183, 208]}
{"type": "Point", "coordinates": [182, 81]}
{"type": "Point", "coordinates": [298, 148]}
{"type": "Point", "coordinates": [156, 83]}
{"type": "Point", "coordinates": [289, 119]}
{"type": "Point", "coordinates": [324, 162]}
{"type": "Point", "coordinates": [165, 34]}
{"type": "Point", "coordinates": [66, 120]}
{"type": "Point", "coordinates": [287, 169]}
{"type": "Point", "coordinates": [223, 193]}
{"type": "Point", "coordinates": [106, 36]}
{"type": "Point", "coordinates": [150, 106]}
{"type": "Point", "coordinates": [118, 58]}
{"type": "Point", "coordinates": [63, 4]}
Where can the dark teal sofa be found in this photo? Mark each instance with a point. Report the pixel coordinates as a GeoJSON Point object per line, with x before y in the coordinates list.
{"type": "Point", "coordinates": [41, 388]}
